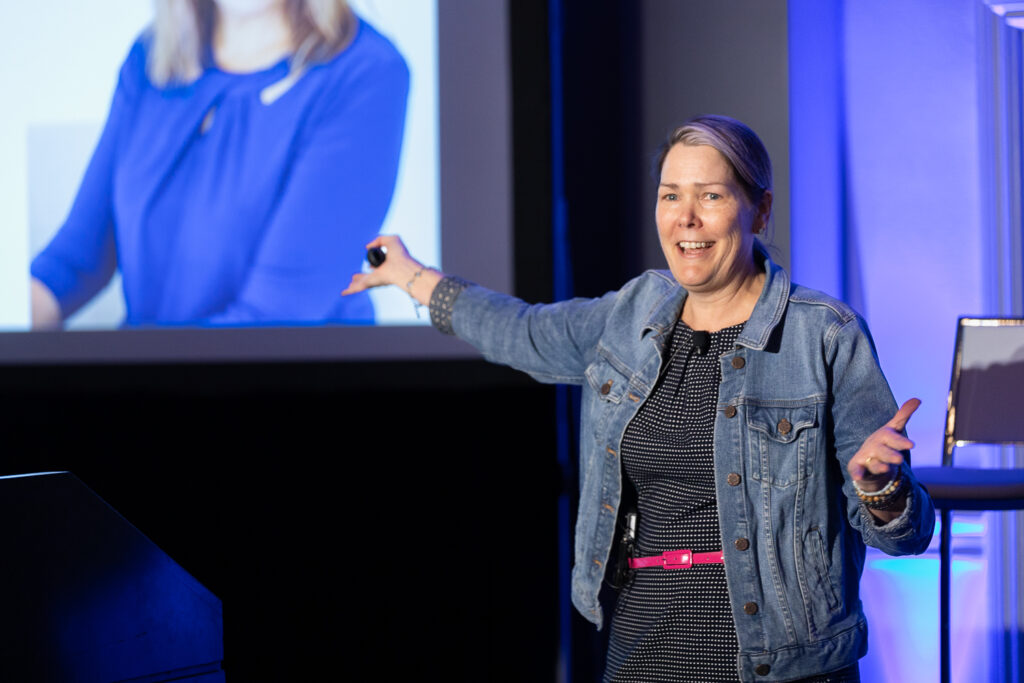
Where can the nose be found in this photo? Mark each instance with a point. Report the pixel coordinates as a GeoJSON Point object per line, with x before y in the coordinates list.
{"type": "Point", "coordinates": [686, 213]}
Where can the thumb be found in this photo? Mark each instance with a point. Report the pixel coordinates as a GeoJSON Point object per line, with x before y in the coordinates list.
{"type": "Point", "coordinates": [902, 416]}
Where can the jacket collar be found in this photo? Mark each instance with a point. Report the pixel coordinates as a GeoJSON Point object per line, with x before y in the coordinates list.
{"type": "Point", "coordinates": [770, 306]}
{"type": "Point", "coordinates": [768, 311]}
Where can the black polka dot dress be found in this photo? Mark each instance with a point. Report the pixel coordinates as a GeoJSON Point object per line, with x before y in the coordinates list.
{"type": "Point", "coordinates": [676, 625]}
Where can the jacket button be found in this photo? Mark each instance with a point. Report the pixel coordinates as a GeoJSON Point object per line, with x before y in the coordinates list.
{"type": "Point", "coordinates": [606, 387]}
{"type": "Point", "coordinates": [733, 479]}
{"type": "Point", "coordinates": [750, 608]}
{"type": "Point", "coordinates": [738, 362]}
{"type": "Point", "coordinates": [730, 411]}
{"type": "Point", "coordinates": [763, 670]}
{"type": "Point", "coordinates": [741, 543]}
{"type": "Point", "coordinates": [785, 426]}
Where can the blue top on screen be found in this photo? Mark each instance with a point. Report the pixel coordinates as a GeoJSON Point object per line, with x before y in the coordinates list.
{"type": "Point", "coordinates": [259, 219]}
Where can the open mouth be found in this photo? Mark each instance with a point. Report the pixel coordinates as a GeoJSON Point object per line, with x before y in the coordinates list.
{"type": "Point", "coordinates": [694, 247]}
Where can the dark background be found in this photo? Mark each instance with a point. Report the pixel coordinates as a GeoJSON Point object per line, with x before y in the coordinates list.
{"type": "Point", "coordinates": [412, 501]}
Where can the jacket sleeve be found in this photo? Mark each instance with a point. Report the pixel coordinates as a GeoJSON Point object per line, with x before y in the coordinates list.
{"type": "Point", "coordinates": [862, 403]}
{"type": "Point", "coordinates": [551, 342]}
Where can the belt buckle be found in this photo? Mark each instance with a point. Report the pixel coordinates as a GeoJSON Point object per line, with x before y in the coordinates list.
{"type": "Point", "coordinates": [677, 559]}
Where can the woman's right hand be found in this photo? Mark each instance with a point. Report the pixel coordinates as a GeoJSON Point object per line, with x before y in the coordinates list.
{"type": "Point", "coordinates": [400, 269]}
{"type": "Point", "coordinates": [881, 455]}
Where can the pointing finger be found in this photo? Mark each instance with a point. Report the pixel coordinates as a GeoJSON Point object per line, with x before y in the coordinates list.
{"type": "Point", "coordinates": [899, 420]}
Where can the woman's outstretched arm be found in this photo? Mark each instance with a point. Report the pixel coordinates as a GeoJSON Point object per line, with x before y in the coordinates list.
{"type": "Point", "coordinates": [552, 342]}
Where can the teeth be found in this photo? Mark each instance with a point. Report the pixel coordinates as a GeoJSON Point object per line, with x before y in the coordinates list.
{"type": "Point", "coordinates": [695, 245]}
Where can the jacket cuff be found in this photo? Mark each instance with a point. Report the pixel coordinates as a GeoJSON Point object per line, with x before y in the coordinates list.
{"type": "Point", "coordinates": [896, 527]}
{"type": "Point", "coordinates": [442, 302]}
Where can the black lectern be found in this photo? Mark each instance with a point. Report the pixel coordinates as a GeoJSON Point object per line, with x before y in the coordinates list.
{"type": "Point", "coordinates": [85, 597]}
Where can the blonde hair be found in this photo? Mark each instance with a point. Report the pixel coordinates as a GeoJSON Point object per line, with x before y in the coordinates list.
{"type": "Point", "coordinates": [182, 30]}
{"type": "Point", "coordinates": [735, 141]}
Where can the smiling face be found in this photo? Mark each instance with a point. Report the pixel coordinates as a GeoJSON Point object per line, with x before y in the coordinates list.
{"type": "Point", "coordinates": [706, 223]}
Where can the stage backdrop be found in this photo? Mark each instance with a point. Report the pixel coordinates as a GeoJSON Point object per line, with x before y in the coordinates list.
{"type": "Point", "coordinates": [898, 133]}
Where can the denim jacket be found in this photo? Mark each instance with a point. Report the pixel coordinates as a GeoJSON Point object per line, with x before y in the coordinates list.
{"type": "Point", "coordinates": [800, 392]}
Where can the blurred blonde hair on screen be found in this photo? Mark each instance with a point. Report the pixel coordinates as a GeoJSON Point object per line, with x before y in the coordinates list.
{"type": "Point", "coordinates": [182, 30]}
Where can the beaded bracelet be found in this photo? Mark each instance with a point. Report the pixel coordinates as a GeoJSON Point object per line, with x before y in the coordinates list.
{"type": "Point", "coordinates": [881, 493]}
{"type": "Point", "coordinates": [883, 499]}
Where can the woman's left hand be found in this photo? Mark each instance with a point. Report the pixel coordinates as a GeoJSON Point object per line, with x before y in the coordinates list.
{"type": "Point", "coordinates": [872, 465]}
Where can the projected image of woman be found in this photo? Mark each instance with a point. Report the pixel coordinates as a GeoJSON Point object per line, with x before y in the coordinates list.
{"type": "Point", "coordinates": [749, 413]}
{"type": "Point", "coordinates": [250, 151]}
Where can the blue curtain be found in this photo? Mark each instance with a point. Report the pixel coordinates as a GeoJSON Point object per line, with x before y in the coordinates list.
{"type": "Point", "coordinates": [906, 190]}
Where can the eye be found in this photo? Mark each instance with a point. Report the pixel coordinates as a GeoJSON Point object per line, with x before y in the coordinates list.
{"type": "Point", "coordinates": [713, 196]}
{"type": "Point", "coordinates": [670, 196]}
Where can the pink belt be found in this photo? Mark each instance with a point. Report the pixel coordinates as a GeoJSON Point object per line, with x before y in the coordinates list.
{"type": "Point", "coordinates": [677, 559]}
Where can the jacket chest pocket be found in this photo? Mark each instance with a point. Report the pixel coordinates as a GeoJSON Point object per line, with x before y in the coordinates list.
{"type": "Point", "coordinates": [611, 385]}
{"type": "Point", "coordinates": [779, 442]}
{"type": "Point", "coordinates": [609, 401]}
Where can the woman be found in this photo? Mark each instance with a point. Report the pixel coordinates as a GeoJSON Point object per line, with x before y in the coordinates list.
{"type": "Point", "coordinates": [250, 145]}
{"type": "Point", "coordinates": [750, 415]}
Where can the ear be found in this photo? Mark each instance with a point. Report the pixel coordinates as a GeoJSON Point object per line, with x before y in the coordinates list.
{"type": "Point", "coordinates": [764, 212]}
